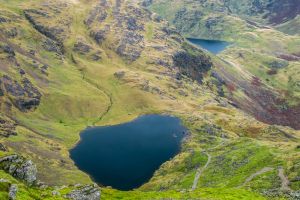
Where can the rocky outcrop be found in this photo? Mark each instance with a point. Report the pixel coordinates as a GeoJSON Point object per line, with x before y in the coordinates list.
{"type": "Point", "coordinates": [192, 62]}
{"type": "Point", "coordinates": [19, 168]}
{"type": "Point", "coordinates": [8, 50]}
{"type": "Point", "coordinates": [12, 193]}
{"type": "Point", "coordinates": [23, 95]}
{"type": "Point", "coordinates": [119, 74]}
{"type": "Point", "coordinates": [7, 128]}
{"type": "Point", "coordinates": [50, 32]}
{"type": "Point", "coordinates": [82, 47]}
{"type": "Point", "coordinates": [52, 46]}
{"type": "Point", "coordinates": [88, 192]}
{"type": "Point", "coordinates": [56, 32]}
{"type": "Point", "coordinates": [125, 29]}
{"type": "Point", "coordinates": [130, 45]}
{"type": "Point", "coordinates": [10, 188]}
{"type": "Point", "coordinates": [99, 13]}
{"type": "Point", "coordinates": [99, 35]}
{"type": "Point", "coordinates": [2, 147]}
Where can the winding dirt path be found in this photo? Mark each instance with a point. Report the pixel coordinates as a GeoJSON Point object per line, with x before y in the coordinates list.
{"type": "Point", "coordinates": [284, 180]}
{"type": "Point", "coordinates": [252, 176]}
{"type": "Point", "coordinates": [200, 170]}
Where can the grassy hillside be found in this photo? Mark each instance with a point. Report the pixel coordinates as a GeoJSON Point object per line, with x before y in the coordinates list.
{"type": "Point", "coordinates": [266, 59]}
{"type": "Point", "coordinates": [225, 20]}
{"type": "Point", "coordinates": [66, 65]}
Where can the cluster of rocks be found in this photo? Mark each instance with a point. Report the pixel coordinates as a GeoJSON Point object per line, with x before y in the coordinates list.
{"type": "Point", "coordinates": [212, 130]}
{"type": "Point", "coordinates": [126, 28]}
{"type": "Point", "coordinates": [192, 62]}
{"type": "Point", "coordinates": [100, 35]}
{"type": "Point", "coordinates": [7, 128]}
{"type": "Point", "coordinates": [11, 188]}
{"type": "Point", "coordinates": [219, 82]}
{"type": "Point", "coordinates": [278, 64]}
{"type": "Point", "coordinates": [130, 45]}
{"type": "Point", "coordinates": [3, 19]}
{"type": "Point", "coordinates": [55, 35]}
{"type": "Point", "coordinates": [2, 147]}
{"type": "Point", "coordinates": [131, 41]}
{"type": "Point", "coordinates": [83, 48]}
{"type": "Point", "coordinates": [87, 192]}
{"type": "Point", "coordinates": [52, 46]}
{"type": "Point", "coordinates": [26, 171]}
{"type": "Point", "coordinates": [23, 95]}
{"type": "Point", "coordinates": [7, 50]}
{"type": "Point", "coordinates": [19, 168]}
{"type": "Point", "coordinates": [275, 193]}
{"type": "Point", "coordinates": [12, 193]}
{"type": "Point", "coordinates": [98, 14]}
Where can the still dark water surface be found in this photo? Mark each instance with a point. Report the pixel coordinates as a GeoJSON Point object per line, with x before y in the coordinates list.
{"type": "Point", "coordinates": [125, 156]}
{"type": "Point", "coordinates": [214, 46]}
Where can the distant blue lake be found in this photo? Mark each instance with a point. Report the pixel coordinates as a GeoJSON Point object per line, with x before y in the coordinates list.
{"type": "Point", "coordinates": [125, 156]}
{"type": "Point", "coordinates": [213, 46]}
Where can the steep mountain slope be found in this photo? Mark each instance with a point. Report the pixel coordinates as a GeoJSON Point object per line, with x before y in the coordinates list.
{"type": "Point", "coordinates": [266, 60]}
{"type": "Point", "coordinates": [73, 77]}
{"type": "Point", "coordinates": [66, 65]}
{"type": "Point", "coordinates": [224, 19]}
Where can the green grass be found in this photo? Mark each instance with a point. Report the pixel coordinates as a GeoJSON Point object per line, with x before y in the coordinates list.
{"type": "Point", "coordinates": [209, 193]}
{"type": "Point", "coordinates": [85, 93]}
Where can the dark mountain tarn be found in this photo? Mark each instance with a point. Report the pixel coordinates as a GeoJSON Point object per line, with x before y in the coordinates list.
{"type": "Point", "coordinates": [125, 156]}
{"type": "Point", "coordinates": [213, 46]}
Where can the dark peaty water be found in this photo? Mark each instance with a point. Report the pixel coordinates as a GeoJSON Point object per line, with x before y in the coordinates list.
{"type": "Point", "coordinates": [214, 46]}
{"type": "Point", "coordinates": [125, 156]}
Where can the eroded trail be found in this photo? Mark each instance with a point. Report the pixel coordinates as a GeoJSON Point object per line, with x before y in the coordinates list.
{"type": "Point", "coordinates": [252, 176]}
{"type": "Point", "coordinates": [284, 180]}
{"type": "Point", "coordinates": [200, 170]}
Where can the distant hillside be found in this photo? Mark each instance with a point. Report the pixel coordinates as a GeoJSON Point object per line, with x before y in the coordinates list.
{"type": "Point", "coordinates": [223, 19]}
{"type": "Point", "coordinates": [266, 59]}
{"type": "Point", "coordinates": [70, 64]}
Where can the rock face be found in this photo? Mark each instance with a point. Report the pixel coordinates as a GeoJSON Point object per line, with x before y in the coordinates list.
{"type": "Point", "coordinates": [2, 147]}
{"type": "Point", "coordinates": [55, 34]}
{"type": "Point", "coordinates": [24, 95]}
{"type": "Point", "coordinates": [82, 47]}
{"type": "Point", "coordinates": [192, 62]}
{"type": "Point", "coordinates": [20, 168]}
{"type": "Point", "coordinates": [209, 18]}
{"type": "Point", "coordinates": [7, 128]}
{"type": "Point", "coordinates": [125, 29]}
{"type": "Point", "coordinates": [12, 194]}
{"type": "Point", "coordinates": [89, 192]}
